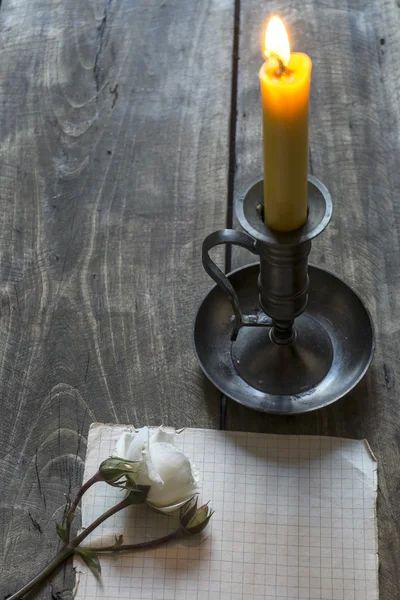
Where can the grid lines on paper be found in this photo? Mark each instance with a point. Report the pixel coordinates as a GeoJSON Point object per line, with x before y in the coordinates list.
{"type": "Point", "coordinates": [294, 519]}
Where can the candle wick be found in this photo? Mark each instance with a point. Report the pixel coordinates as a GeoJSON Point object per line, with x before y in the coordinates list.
{"type": "Point", "coordinates": [281, 67]}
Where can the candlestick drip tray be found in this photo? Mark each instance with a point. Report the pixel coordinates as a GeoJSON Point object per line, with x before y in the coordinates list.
{"type": "Point", "coordinates": [330, 354]}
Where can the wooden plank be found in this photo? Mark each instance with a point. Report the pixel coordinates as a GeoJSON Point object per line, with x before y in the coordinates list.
{"type": "Point", "coordinates": [114, 128]}
{"type": "Point", "coordinates": [354, 149]}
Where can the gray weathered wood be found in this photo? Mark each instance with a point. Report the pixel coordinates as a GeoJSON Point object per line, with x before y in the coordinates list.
{"type": "Point", "coordinates": [354, 150]}
{"type": "Point", "coordinates": [114, 124]}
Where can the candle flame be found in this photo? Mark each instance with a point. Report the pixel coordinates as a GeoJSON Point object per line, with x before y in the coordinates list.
{"type": "Point", "coordinates": [277, 41]}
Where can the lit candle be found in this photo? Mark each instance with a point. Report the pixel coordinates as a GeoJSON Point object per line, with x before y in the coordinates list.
{"type": "Point", "coordinates": [285, 85]}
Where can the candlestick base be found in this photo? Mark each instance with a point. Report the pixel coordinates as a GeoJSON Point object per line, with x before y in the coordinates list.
{"type": "Point", "coordinates": [283, 369]}
{"type": "Point", "coordinates": [331, 353]}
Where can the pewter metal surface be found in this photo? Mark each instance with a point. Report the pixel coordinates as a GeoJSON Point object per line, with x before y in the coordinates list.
{"type": "Point", "coordinates": [332, 307]}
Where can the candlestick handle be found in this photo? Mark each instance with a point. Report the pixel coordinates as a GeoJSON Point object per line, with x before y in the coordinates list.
{"type": "Point", "coordinates": [231, 236]}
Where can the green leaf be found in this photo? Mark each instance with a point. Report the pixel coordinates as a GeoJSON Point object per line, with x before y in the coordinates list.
{"type": "Point", "coordinates": [125, 483]}
{"type": "Point", "coordinates": [91, 559]}
{"type": "Point", "coordinates": [200, 515]}
{"type": "Point", "coordinates": [200, 520]}
{"type": "Point", "coordinates": [198, 528]}
{"type": "Point", "coordinates": [62, 533]}
{"type": "Point", "coordinates": [188, 511]}
{"type": "Point", "coordinates": [113, 469]}
{"type": "Point", "coordinates": [139, 494]}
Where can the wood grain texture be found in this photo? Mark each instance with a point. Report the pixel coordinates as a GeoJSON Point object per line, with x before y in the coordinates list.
{"type": "Point", "coordinates": [354, 150]}
{"type": "Point", "coordinates": [114, 128]}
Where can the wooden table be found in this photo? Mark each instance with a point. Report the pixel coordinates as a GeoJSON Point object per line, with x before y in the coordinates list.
{"type": "Point", "coordinates": [126, 128]}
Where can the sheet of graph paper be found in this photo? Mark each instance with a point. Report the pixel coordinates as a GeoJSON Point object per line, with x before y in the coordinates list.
{"type": "Point", "coordinates": [294, 518]}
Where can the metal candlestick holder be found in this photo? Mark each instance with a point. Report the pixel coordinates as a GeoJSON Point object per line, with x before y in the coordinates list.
{"type": "Point", "coordinates": [281, 336]}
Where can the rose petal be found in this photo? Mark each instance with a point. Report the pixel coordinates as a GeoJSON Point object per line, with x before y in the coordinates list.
{"type": "Point", "coordinates": [175, 469]}
{"type": "Point", "coordinates": [151, 474]}
{"type": "Point", "coordinates": [139, 442]}
{"type": "Point", "coordinates": [163, 434]}
{"type": "Point", "coordinates": [195, 473]}
{"type": "Point", "coordinates": [122, 445]}
{"type": "Point", "coordinates": [168, 509]}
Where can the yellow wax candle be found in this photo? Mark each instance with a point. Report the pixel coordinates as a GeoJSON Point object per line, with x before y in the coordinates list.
{"type": "Point", "coordinates": [285, 86]}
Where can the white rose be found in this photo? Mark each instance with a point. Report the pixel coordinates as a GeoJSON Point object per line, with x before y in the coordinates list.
{"type": "Point", "coordinates": [169, 472]}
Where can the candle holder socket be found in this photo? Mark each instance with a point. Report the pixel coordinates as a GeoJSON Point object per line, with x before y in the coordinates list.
{"type": "Point", "coordinates": [295, 329]}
